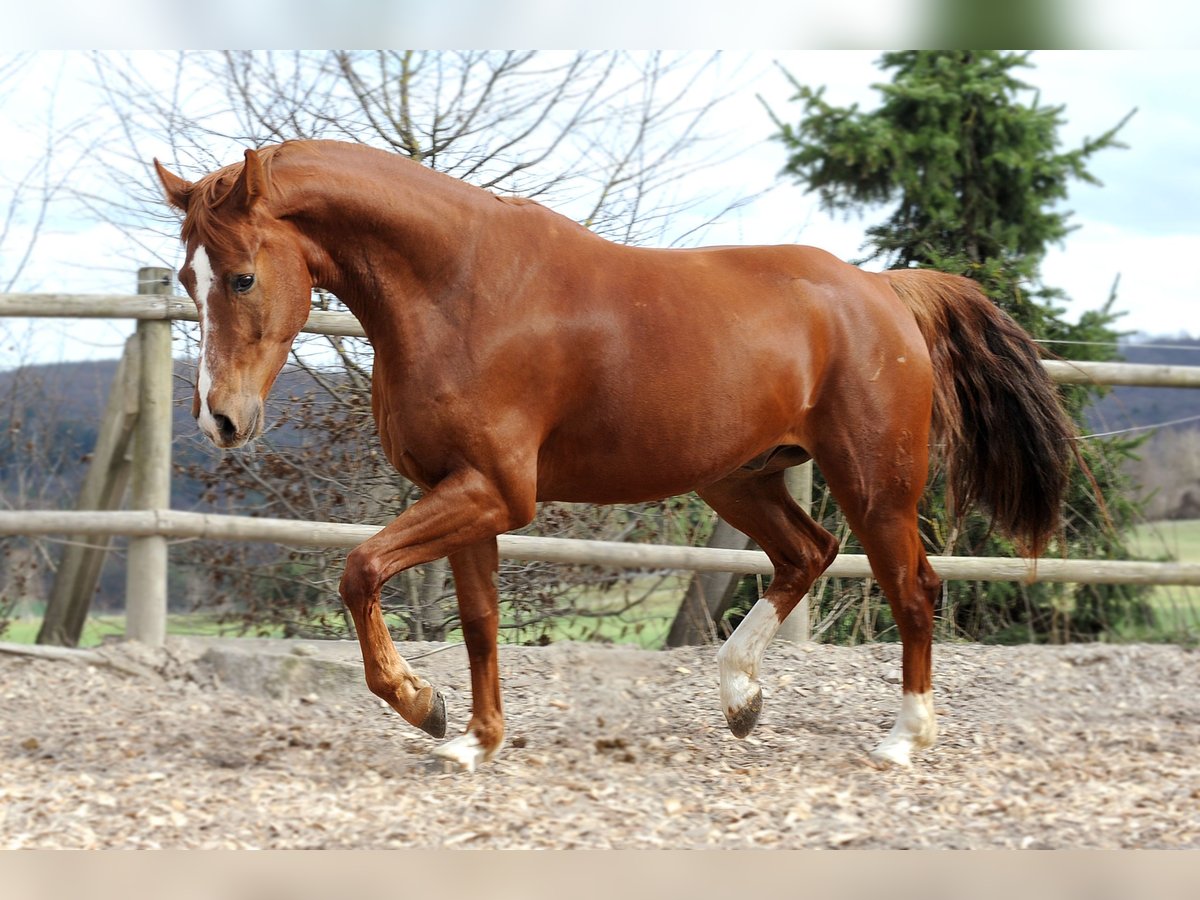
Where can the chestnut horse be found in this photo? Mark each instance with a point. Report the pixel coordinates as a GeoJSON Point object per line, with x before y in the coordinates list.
{"type": "Point", "coordinates": [520, 357]}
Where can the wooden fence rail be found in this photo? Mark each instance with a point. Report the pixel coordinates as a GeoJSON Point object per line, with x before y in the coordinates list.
{"type": "Point", "coordinates": [178, 525]}
{"type": "Point", "coordinates": [153, 523]}
{"type": "Point", "coordinates": [143, 307]}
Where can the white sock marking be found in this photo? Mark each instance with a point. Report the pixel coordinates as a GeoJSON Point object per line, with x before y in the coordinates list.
{"type": "Point", "coordinates": [915, 728]}
{"type": "Point", "coordinates": [739, 657]}
{"type": "Point", "coordinates": [465, 750]}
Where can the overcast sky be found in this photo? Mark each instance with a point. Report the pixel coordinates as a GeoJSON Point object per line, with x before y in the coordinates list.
{"type": "Point", "coordinates": [1142, 225]}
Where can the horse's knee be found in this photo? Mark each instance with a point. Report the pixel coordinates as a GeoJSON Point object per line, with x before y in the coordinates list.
{"type": "Point", "coordinates": [480, 620]}
{"type": "Point", "coordinates": [362, 578]}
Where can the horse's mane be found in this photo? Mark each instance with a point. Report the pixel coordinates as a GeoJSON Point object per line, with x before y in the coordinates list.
{"type": "Point", "coordinates": [206, 224]}
{"type": "Point", "coordinates": [210, 193]}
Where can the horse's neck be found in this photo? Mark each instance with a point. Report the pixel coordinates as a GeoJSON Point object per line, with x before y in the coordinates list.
{"type": "Point", "coordinates": [389, 253]}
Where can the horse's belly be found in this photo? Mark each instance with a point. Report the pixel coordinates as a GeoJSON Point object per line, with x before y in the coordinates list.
{"type": "Point", "coordinates": [633, 467]}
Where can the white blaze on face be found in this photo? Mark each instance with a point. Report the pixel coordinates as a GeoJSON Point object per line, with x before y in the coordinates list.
{"type": "Point", "coordinates": [202, 269]}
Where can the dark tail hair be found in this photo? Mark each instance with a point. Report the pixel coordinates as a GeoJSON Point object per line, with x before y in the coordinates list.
{"type": "Point", "coordinates": [1007, 441]}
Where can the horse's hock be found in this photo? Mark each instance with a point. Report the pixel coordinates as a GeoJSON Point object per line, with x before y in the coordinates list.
{"type": "Point", "coordinates": [253, 744]}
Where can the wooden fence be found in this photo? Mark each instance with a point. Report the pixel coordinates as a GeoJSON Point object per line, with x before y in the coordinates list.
{"type": "Point", "coordinates": [135, 447]}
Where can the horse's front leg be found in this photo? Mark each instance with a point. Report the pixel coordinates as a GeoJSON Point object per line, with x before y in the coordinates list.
{"type": "Point", "coordinates": [459, 518]}
{"type": "Point", "coordinates": [475, 571]}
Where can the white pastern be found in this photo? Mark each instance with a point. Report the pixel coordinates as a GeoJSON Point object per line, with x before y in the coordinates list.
{"type": "Point", "coordinates": [739, 657]}
{"type": "Point", "coordinates": [202, 269]}
{"type": "Point", "coordinates": [915, 729]}
{"type": "Point", "coordinates": [465, 750]}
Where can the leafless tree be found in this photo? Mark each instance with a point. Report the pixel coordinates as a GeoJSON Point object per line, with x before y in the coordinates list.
{"type": "Point", "coordinates": [39, 448]}
{"type": "Point", "coordinates": [602, 136]}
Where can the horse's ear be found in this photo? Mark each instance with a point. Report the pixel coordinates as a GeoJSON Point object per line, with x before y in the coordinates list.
{"type": "Point", "coordinates": [254, 179]}
{"type": "Point", "coordinates": [175, 189]}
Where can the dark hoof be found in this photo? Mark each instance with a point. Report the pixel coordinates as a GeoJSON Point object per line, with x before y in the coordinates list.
{"type": "Point", "coordinates": [435, 722]}
{"type": "Point", "coordinates": [742, 721]}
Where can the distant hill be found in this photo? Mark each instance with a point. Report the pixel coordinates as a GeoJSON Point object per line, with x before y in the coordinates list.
{"type": "Point", "coordinates": [50, 417]}
{"type": "Point", "coordinates": [1129, 407]}
{"type": "Point", "coordinates": [57, 410]}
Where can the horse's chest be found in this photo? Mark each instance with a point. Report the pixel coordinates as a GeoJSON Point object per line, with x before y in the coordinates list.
{"type": "Point", "coordinates": [415, 436]}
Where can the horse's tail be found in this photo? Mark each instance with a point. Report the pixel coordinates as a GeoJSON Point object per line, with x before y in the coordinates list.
{"type": "Point", "coordinates": [996, 413]}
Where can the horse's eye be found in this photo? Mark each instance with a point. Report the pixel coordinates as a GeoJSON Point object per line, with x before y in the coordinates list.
{"type": "Point", "coordinates": [243, 283]}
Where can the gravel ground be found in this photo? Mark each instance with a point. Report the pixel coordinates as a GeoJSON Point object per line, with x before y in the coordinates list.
{"type": "Point", "coordinates": [1043, 747]}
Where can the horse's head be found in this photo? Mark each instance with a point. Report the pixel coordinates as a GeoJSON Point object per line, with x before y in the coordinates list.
{"type": "Point", "coordinates": [247, 274]}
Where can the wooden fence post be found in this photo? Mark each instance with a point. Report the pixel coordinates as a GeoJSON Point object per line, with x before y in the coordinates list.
{"type": "Point", "coordinates": [103, 489]}
{"type": "Point", "coordinates": [798, 625]}
{"type": "Point", "coordinates": [146, 572]}
{"type": "Point", "coordinates": [708, 594]}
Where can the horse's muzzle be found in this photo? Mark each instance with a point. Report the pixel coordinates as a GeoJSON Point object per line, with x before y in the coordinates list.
{"type": "Point", "coordinates": [230, 431]}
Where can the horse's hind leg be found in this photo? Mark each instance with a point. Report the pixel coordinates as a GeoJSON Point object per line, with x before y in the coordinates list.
{"type": "Point", "coordinates": [760, 506]}
{"type": "Point", "coordinates": [880, 503]}
{"type": "Point", "coordinates": [912, 587]}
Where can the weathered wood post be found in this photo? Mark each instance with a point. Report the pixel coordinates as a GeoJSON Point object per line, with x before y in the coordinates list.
{"type": "Point", "coordinates": [708, 594]}
{"type": "Point", "coordinates": [103, 489]}
{"type": "Point", "coordinates": [146, 573]}
{"type": "Point", "coordinates": [798, 625]}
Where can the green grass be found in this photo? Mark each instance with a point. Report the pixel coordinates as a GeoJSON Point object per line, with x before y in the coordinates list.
{"type": "Point", "coordinates": [1180, 539]}
{"type": "Point", "coordinates": [98, 627]}
{"type": "Point", "coordinates": [95, 629]}
{"type": "Point", "coordinates": [644, 624]}
{"type": "Point", "coordinates": [1177, 606]}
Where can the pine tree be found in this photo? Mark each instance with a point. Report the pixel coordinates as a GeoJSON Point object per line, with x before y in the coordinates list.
{"type": "Point", "coordinates": [974, 176]}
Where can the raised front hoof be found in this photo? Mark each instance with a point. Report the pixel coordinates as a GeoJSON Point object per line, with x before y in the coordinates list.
{"type": "Point", "coordinates": [464, 752]}
{"type": "Point", "coordinates": [434, 723]}
{"type": "Point", "coordinates": [743, 719]}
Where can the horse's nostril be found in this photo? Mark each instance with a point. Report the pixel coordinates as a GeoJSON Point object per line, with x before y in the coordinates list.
{"type": "Point", "coordinates": [225, 426]}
